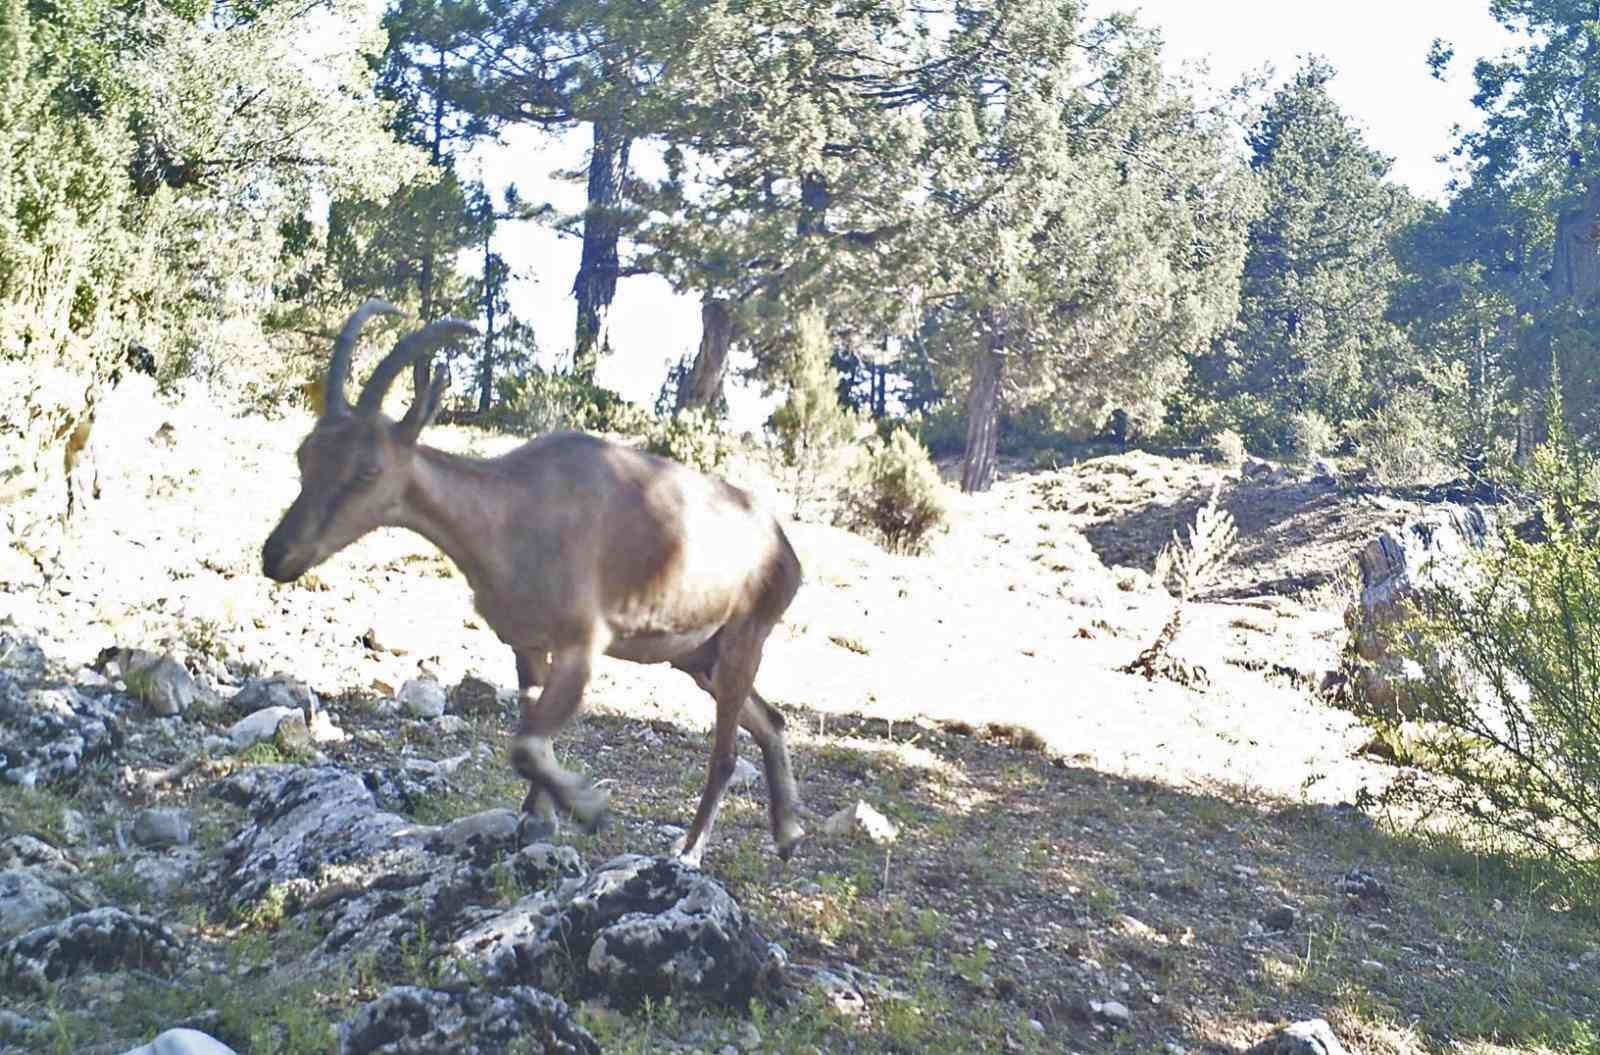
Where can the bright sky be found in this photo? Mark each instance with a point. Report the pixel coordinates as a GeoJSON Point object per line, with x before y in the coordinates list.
{"type": "Point", "coordinates": [1383, 83]}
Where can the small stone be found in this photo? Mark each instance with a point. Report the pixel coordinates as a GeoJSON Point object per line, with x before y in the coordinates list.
{"type": "Point", "coordinates": [262, 725]}
{"type": "Point", "coordinates": [475, 696]}
{"type": "Point", "coordinates": [422, 698]}
{"type": "Point", "coordinates": [1111, 1012]}
{"type": "Point", "coordinates": [749, 1036]}
{"type": "Point", "coordinates": [183, 1042]}
{"type": "Point", "coordinates": [280, 690]}
{"type": "Point", "coordinates": [323, 731]}
{"type": "Point", "coordinates": [451, 725]}
{"type": "Point", "coordinates": [160, 828]}
{"type": "Point", "coordinates": [862, 818]}
{"type": "Point", "coordinates": [745, 774]}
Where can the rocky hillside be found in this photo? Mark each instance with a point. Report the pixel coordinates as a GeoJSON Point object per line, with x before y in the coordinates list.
{"type": "Point", "coordinates": [281, 815]}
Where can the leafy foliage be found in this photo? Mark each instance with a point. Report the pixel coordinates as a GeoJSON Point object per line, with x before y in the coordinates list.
{"type": "Point", "coordinates": [894, 492]}
{"type": "Point", "coordinates": [810, 426]}
{"type": "Point", "coordinates": [536, 401]}
{"type": "Point", "coordinates": [1510, 733]}
{"type": "Point", "coordinates": [690, 436]}
{"type": "Point", "coordinates": [1312, 333]}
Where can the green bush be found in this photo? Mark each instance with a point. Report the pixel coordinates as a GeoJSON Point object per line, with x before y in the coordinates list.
{"type": "Point", "coordinates": [941, 428]}
{"type": "Point", "coordinates": [690, 436]}
{"type": "Point", "coordinates": [1402, 441]}
{"type": "Point", "coordinates": [808, 429]}
{"type": "Point", "coordinates": [894, 492]}
{"type": "Point", "coordinates": [1227, 447]}
{"type": "Point", "coordinates": [538, 401]}
{"type": "Point", "coordinates": [1310, 435]}
{"type": "Point", "coordinates": [1509, 732]}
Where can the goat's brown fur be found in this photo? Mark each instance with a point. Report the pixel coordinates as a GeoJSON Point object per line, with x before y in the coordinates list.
{"type": "Point", "coordinates": [574, 547]}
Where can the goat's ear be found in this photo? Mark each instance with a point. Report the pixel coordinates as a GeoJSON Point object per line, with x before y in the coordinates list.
{"type": "Point", "coordinates": [425, 406]}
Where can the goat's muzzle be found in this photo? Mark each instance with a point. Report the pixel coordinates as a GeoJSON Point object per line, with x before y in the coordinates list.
{"type": "Point", "coordinates": [278, 561]}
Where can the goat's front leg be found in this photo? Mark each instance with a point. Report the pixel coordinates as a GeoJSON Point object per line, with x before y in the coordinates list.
{"type": "Point", "coordinates": [542, 717]}
{"type": "Point", "coordinates": [539, 820]}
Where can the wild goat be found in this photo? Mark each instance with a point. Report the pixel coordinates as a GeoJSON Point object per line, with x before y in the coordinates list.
{"type": "Point", "coordinates": [575, 547]}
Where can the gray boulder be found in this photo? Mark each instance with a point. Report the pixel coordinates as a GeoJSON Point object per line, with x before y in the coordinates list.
{"type": "Point", "coordinates": [48, 732]}
{"type": "Point", "coordinates": [422, 698]}
{"type": "Point", "coordinates": [30, 851]}
{"type": "Point", "coordinates": [182, 1042]}
{"type": "Point", "coordinates": [638, 927]}
{"type": "Point", "coordinates": [159, 828]}
{"type": "Point", "coordinates": [303, 820]}
{"type": "Point", "coordinates": [264, 725]}
{"type": "Point", "coordinates": [411, 1021]}
{"type": "Point", "coordinates": [164, 684]}
{"type": "Point", "coordinates": [102, 939]}
{"type": "Point", "coordinates": [1429, 552]}
{"type": "Point", "coordinates": [27, 902]}
{"type": "Point", "coordinates": [280, 690]}
{"type": "Point", "coordinates": [1312, 1037]}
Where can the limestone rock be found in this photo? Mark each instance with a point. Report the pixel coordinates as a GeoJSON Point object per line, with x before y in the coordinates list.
{"type": "Point", "coordinates": [48, 732]}
{"type": "Point", "coordinates": [493, 830]}
{"type": "Point", "coordinates": [183, 1042]}
{"type": "Point", "coordinates": [1428, 552]}
{"type": "Point", "coordinates": [263, 725]}
{"type": "Point", "coordinates": [1311, 1037]}
{"type": "Point", "coordinates": [102, 939]}
{"type": "Point", "coordinates": [164, 685]}
{"type": "Point", "coordinates": [476, 696]}
{"type": "Point", "coordinates": [303, 820]}
{"type": "Point", "coordinates": [30, 851]}
{"type": "Point", "coordinates": [638, 927]}
{"type": "Point", "coordinates": [280, 690]}
{"type": "Point", "coordinates": [862, 818]}
{"type": "Point", "coordinates": [422, 698]}
{"type": "Point", "coordinates": [27, 902]}
{"type": "Point", "coordinates": [543, 864]}
{"type": "Point", "coordinates": [158, 828]}
{"type": "Point", "coordinates": [412, 1021]}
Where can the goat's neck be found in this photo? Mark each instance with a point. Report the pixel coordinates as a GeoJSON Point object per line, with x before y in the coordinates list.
{"type": "Point", "coordinates": [450, 502]}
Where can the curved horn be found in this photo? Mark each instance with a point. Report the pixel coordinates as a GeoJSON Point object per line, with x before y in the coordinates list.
{"type": "Point", "coordinates": [411, 347]}
{"type": "Point", "coordinates": [333, 401]}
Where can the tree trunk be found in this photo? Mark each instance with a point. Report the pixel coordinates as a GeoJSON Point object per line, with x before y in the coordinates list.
{"type": "Point", "coordinates": [983, 420]}
{"type": "Point", "coordinates": [596, 284]}
{"type": "Point", "coordinates": [486, 366]}
{"type": "Point", "coordinates": [702, 385]}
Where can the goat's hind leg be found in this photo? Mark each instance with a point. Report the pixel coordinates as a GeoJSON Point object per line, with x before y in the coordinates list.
{"type": "Point", "coordinates": [765, 724]}
{"type": "Point", "coordinates": [540, 822]}
{"type": "Point", "coordinates": [543, 715]}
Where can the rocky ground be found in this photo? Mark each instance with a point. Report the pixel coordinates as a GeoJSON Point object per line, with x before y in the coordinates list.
{"type": "Point", "coordinates": [293, 833]}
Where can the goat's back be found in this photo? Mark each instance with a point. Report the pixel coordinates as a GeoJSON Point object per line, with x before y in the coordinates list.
{"type": "Point", "coordinates": [660, 542]}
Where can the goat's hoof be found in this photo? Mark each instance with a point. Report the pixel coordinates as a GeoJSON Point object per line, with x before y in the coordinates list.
{"type": "Point", "coordinates": [532, 828]}
{"type": "Point", "coordinates": [588, 807]}
{"type": "Point", "coordinates": [690, 859]}
{"type": "Point", "coordinates": [790, 837]}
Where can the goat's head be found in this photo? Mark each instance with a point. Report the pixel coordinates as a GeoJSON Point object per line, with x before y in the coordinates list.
{"type": "Point", "coordinates": [354, 464]}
